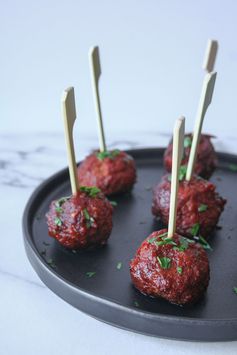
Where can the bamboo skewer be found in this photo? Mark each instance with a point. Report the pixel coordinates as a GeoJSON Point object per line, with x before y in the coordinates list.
{"type": "Point", "coordinates": [94, 59]}
{"type": "Point", "coordinates": [210, 56]}
{"type": "Point", "coordinates": [69, 117]}
{"type": "Point", "coordinates": [178, 146]}
{"type": "Point", "coordinates": [205, 100]}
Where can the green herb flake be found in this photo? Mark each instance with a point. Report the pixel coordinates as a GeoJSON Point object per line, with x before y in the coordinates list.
{"type": "Point", "coordinates": [61, 201]}
{"type": "Point", "coordinates": [58, 221]}
{"type": "Point", "coordinates": [233, 167]}
{"type": "Point", "coordinates": [89, 219]}
{"type": "Point", "coordinates": [166, 241]}
{"type": "Point", "coordinates": [106, 154]}
{"type": "Point", "coordinates": [195, 229]}
{"type": "Point", "coordinates": [235, 289]}
{"type": "Point", "coordinates": [152, 240]}
{"type": "Point", "coordinates": [184, 243]}
{"type": "Point", "coordinates": [203, 243]}
{"type": "Point", "coordinates": [136, 304]}
{"type": "Point", "coordinates": [187, 142]}
{"type": "Point", "coordinates": [164, 262]}
{"type": "Point", "coordinates": [90, 191]}
{"type": "Point", "coordinates": [119, 265]}
{"type": "Point", "coordinates": [182, 172]}
{"type": "Point", "coordinates": [114, 203]}
{"type": "Point", "coordinates": [202, 207]}
{"type": "Point", "coordinates": [179, 270]}
{"type": "Point", "coordinates": [90, 273]}
{"type": "Point", "coordinates": [51, 263]}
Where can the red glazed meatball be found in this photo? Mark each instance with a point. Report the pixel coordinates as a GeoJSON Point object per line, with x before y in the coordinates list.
{"type": "Point", "coordinates": [81, 221]}
{"type": "Point", "coordinates": [206, 161]}
{"type": "Point", "coordinates": [113, 172]}
{"type": "Point", "coordinates": [176, 269]}
{"type": "Point", "coordinates": [199, 206]}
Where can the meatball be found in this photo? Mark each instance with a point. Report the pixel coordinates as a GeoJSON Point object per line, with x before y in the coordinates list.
{"type": "Point", "coordinates": [198, 208]}
{"type": "Point", "coordinates": [113, 172]}
{"type": "Point", "coordinates": [206, 161]}
{"type": "Point", "coordinates": [81, 221]}
{"type": "Point", "coordinates": [176, 268]}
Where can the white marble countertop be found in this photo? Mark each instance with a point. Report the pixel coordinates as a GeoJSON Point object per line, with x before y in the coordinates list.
{"type": "Point", "coordinates": [33, 319]}
{"type": "Point", "coordinates": [151, 56]}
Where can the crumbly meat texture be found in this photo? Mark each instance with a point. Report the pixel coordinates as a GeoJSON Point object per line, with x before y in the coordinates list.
{"type": "Point", "coordinates": [206, 161]}
{"type": "Point", "coordinates": [187, 274]}
{"type": "Point", "coordinates": [113, 174]}
{"type": "Point", "coordinates": [80, 221]}
{"type": "Point", "coordinates": [198, 204]}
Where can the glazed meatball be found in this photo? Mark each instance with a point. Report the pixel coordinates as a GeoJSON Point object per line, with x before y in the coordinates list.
{"type": "Point", "coordinates": [176, 269]}
{"type": "Point", "coordinates": [198, 209]}
{"type": "Point", "coordinates": [81, 221]}
{"type": "Point", "coordinates": [206, 161]}
{"type": "Point", "coordinates": [113, 172]}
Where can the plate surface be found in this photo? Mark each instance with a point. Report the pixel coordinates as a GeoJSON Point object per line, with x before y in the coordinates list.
{"type": "Point", "coordinates": [108, 294]}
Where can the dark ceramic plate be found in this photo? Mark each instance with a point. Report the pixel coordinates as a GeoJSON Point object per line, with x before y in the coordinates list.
{"type": "Point", "coordinates": [108, 294]}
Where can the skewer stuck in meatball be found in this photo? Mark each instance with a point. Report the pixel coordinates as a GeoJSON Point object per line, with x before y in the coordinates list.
{"type": "Point", "coordinates": [206, 159]}
{"type": "Point", "coordinates": [199, 206]}
{"type": "Point", "coordinates": [176, 268]}
{"type": "Point", "coordinates": [82, 220]}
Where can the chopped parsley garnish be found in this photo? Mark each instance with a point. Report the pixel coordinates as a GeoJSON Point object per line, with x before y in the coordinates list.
{"type": "Point", "coordinates": [187, 142]}
{"type": "Point", "coordinates": [166, 241]}
{"type": "Point", "coordinates": [164, 262]}
{"type": "Point", "coordinates": [152, 240]}
{"type": "Point", "coordinates": [233, 167]}
{"type": "Point", "coordinates": [61, 201]}
{"type": "Point", "coordinates": [89, 219]}
{"type": "Point", "coordinates": [184, 242]}
{"type": "Point", "coordinates": [202, 207]}
{"type": "Point", "coordinates": [157, 237]}
{"type": "Point", "coordinates": [179, 270]}
{"type": "Point", "coordinates": [235, 289]}
{"type": "Point", "coordinates": [90, 191]}
{"type": "Point", "coordinates": [136, 304]}
{"type": "Point", "coordinates": [90, 273]}
{"type": "Point", "coordinates": [106, 154]}
{"type": "Point", "coordinates": [203, 242]}
{"type": "Point", "coordinates": [195, 229]}
{"type": "Point", "coordinates": [51, 263]}
{"type": "Point", "coordinates": [182, 172]}
{"type": "Point", "coordinates": [119, 265]}
{"type": "Point", "coordinates": [58, 221]}
{"type": "Point", "coordinates": [114, 203]}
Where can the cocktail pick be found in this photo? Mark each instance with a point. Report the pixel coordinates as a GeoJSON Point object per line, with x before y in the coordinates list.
{"type": "Point", "coordinates": [94, 59]}
{"type": "Point", "coordinates": [69, 117]}
{"type": "Point", "coordinates": [178, 146]}
{"type": "Point", "coordinates": [205, 100]}
{"type": "Point", "coordinates": [210, 55]}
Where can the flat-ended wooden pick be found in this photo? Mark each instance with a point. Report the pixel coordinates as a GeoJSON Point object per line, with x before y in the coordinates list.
{"type": "Point", "coordinates": [205, 100]}
{"type": "Point", "coordinates": [178, 146]}
{"type": "Point", "coordinates": [69, 117]}
{"type": "Point", "coordinates": [94, 59]}
{"type": "Point", "coordinates": [210, 55]}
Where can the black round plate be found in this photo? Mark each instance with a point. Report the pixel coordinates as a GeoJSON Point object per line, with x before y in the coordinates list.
{"type": "Point", "coordinates": [98, 282]}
